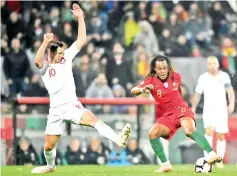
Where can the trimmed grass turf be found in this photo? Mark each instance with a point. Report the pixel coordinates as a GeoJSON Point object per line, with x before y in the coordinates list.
{"type": "Point", "coordinates": [139, 170]}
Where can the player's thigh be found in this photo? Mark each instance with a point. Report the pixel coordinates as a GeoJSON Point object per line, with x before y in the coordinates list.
{"type": "Point", "coordinates": [51, 141]}
{"type": "Point", "coordinates": [79, 115]}
{"type": "Point", "coordinates": [159, 130]}
{"type": "Point", "coordinates": [209, 121]}
{"type": "Point", "coordinates": [188, 125]}
{"type": "Point", "coordinates": [209, 131]}
{"type": "Point", "coordinates": [55, 125]}
{"type": "Point", "coordinates": [222, 125]}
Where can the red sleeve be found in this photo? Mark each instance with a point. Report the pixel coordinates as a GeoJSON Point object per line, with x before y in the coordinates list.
{"type": "Point", "coordinates": [145, 82]}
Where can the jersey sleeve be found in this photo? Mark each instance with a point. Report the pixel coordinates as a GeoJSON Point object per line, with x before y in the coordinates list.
{"type": "Point", "coordinates": [227, 81]}
{"type": "Point", "coordinates": [199, 88]}
{"type": "Point", "coordinates": [71, 52]}
{"type": "Point", "coordinates": [145, 82]}
{"type": "Point", "coordinates": [44, 68]}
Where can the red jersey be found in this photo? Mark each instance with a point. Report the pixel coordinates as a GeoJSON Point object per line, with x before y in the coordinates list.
{"type": "Point", "coordinates": [166, 94]}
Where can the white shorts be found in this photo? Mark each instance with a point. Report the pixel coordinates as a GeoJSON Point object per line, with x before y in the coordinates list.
{"type": "Point", "coordinates": [218, 122]}
{"type": "Point", "coordinates": [57, 118]}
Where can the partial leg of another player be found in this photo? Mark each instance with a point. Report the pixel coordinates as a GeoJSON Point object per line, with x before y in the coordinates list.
{"type": "Point", "coordinates": [209, 136]}
{"type": "Point", "coordinates": [89, 119]}
{"type": "Point", "coordinates": [220, 147]}
{"type": "Point", "coordinates": [49, 153]}
{"type": "Point", "coordinates": [188, 125]}
{"type": "Point", "coordinates": [157, 131]}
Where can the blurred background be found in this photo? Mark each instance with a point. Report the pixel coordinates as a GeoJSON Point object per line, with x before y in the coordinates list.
{"type": "Point", "coordinates": [122, 38]}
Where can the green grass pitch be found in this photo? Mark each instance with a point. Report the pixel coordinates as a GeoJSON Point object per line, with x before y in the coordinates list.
{"type": "Point", "coordinates": [139, 170]}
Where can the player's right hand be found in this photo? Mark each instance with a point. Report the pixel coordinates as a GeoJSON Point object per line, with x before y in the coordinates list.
{"type": "Point", "coordinates": [48, 37]}
{"type": "Point", "coordinates": [148, 88]}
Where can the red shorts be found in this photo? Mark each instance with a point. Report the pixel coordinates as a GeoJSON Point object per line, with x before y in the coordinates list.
{"type": "Point", "coordinates": [172, 119]}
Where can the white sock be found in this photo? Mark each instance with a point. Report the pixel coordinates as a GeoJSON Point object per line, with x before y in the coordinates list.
{"type": "Point", "coordinates": [50, 157]}
{"type": "Point", "coordinates": [220, 148]}
{"type": "Point", "coordinates": [106, 131]}
{"type": "Point", "coordinates": [209, 140]}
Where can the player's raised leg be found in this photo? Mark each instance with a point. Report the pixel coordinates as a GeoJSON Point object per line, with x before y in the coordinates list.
{"type": "Point", "coordinates": [220, 147]}
{"type": "Point", "coordinates": [209, 137]}
{"type": "Point", "coordinates": [89, 119]}
{"type": "Point", "coordinates": [49, 153]}
{"type": "Point", "coordinates": [157, 131]}
{"type": "Point", "coordinates": [188, 125]}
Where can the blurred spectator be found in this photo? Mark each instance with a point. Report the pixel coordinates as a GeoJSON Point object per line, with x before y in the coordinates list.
{"type": "Point", "coordinates": [143, 65]}
{"type": "Point", "coordinates": [97, 28]}
{"type": "Point", "coordinates": [134, 154]}
{"type": "Point", "coordinates": [26, 154]}
{"type": "Point", "coordinates": [181, 13]}
{"type": "Point", "coordinates": [4, 47]}
{"type": "Point", "coordinates": [66, 14]}
{"type": "Point", "coordinates": [219, 23]}
{"type": "Point", "coordinates": [166, 42]}
{"type": "Point", "coordinates": [147, 38]}
{"type": "Point", "coordinates": [97, 152]}
{"type": "Point", "coordinates": [31, 53]}
{"type": "Point", "coordinates": [181, 48]}
{"type": "Point", "coordinates": [36, 90]}
{"type": "Point", "coordinates": [157, 17]}
{"type": "Point", "coordinates": [54, 19]}
{"type": "Point", "coordinates": [5, 12]}
{"type": "Point", "coordinates": [58, 159]}
{"type": "Point", "coordinates": [118, 69]}
{"type": "Point", "coordinates": [141, 11]}
{"type": "Point", "coordinates": [228, 56]}
{"type": "Point", "coordinates": [15, 27]}
{"type": "Point", "coordinates": [74, 154]}
{"type": "Point", "coordinates": [67, 35]}
{"type": "Point", "coordinates": [35, 32]}
{"type": "Point", "coordinates": [131, 28]}
{"type": "Point", "coordinates": [16, 67]}
{"type": "Point", "coordinates": [175, 27]}
{"type": "Point", "coordinates": [119, 92]}
{"type": "Point", "coordinates": [196, 32]}
{"type": "Point", "coordinates": [99, 89]}
{"type": "Point", "coordinates": [83, 75]}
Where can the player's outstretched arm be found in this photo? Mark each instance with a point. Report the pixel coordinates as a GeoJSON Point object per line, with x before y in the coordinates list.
{"type": "Point", "coordinates": [231, 98]}
{"type": "Point", "coordinates": [81, 38]}
{"type": "Point", "coordinates": [195, 101]}
{"type": "Point", "coordinates": [137, 90]}
{"type": "Point", "coordinates": [39, 58]}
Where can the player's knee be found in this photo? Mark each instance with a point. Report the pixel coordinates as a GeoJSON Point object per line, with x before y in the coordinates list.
{"type": "Point", "coordinates": [154, 134]}
{"type": "Point", "coordinates": [220, 137]}
{"type": "Point", "coordinates": [188, 131]}
{"type": "Point", "coordinates": [49, 146]}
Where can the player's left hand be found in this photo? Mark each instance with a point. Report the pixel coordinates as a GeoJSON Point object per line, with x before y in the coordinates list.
{"type": "Point", "coordinates": [231, 108]}
{"type": "Point", "coordinates": [76, 10]}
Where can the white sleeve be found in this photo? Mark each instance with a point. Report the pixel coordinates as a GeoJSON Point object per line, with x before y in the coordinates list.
{"type": "Point", "coordinates": [44, 68]}
{"type": "Point", "coordinates": [227, 81]}
{"type": "Point", "coordinates": [71, 52]}
{"type": "Point", "coordinates": [199, 88]}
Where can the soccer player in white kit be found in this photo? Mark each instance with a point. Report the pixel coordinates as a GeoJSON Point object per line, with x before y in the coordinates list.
{"type": "Point", "coordinates": [214, 84]}
{"type": "Point", "coordinates": [56, 72]}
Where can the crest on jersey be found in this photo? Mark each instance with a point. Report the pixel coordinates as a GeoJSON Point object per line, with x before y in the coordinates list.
{"type": "Point", "coordinates": [175, 84]}
{"type": "Point", "coordinates": [166, 85]}
{"type": "Point", "coordinates": [142, 82]}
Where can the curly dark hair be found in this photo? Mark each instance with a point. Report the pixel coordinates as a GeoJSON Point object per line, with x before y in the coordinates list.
{"type": "Point", "coordinates": [153, 64]}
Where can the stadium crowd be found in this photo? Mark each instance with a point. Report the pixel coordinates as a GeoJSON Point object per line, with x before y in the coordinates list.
{"type": "Point", "coordinates": [122, 38]}
{"type": "Point", "coordinates": [96, 152]}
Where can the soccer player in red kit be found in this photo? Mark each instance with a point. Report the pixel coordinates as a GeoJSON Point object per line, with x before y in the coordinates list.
{"type": "Point", "coordinates": [172, 111]}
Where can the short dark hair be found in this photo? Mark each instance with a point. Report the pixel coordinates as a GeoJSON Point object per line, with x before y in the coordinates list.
{"type": "Point", "coordinates": [54, 45]}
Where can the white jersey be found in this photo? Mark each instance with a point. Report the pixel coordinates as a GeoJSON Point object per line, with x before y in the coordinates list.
{"type": "Point", "coordinates": [214, 90]}
{"type": "Point", "coordinates": [58, 79]}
